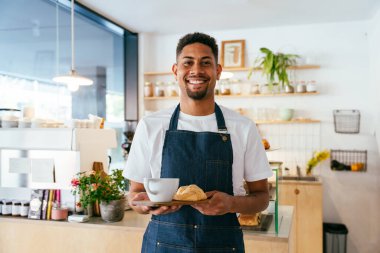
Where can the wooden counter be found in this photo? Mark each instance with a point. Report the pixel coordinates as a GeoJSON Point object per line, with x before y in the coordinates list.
{"type": "Point", "coordinates": [306, 197]}
{"type": "Point", "coordinates": [35, 236]}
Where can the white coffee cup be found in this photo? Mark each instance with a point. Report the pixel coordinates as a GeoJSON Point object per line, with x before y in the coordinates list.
{"type": "Point", "coordinates": [161, 189]}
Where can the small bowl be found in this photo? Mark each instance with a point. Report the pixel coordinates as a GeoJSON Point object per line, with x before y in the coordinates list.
{"type": "Point", "coordinates": [286, 114]}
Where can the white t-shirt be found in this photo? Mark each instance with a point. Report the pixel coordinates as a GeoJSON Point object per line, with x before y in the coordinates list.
{"type": "Point", "coordinates": [250, 162]}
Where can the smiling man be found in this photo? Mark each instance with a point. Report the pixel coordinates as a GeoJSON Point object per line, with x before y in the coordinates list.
{"type": "Point", "coordinates": [200, 143]}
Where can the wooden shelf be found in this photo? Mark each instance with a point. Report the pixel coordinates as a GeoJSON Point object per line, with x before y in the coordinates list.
{"type": "Point", "coordinates": [245, 96]}
{"type": "Point", "coordinates": [301, 67]}
{"type": "Point", "coordinates": [294, 121]}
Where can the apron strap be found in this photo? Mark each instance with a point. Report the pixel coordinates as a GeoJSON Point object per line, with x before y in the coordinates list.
{"type": "Point", "coordinates": [218, 114]}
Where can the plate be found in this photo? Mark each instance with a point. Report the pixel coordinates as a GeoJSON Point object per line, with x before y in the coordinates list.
{"type": "Point", "coordinates": [171, 203]}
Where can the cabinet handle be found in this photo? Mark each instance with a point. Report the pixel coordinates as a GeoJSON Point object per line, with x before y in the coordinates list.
{"type": "Point", "coordinates": [296, 191]}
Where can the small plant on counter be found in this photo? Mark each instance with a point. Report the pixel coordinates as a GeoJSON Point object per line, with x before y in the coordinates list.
{"type": "Point", "coordinates": [316, 159]}
{"type": "Point", "coordinates": [274, 66]}
{"type": "Point", "coordinates": [93, 186]}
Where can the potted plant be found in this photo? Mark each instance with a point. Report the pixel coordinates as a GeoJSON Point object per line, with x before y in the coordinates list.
{"type": "Point", "coordinates": [108, 190]}
{"type": "Point", "coordinates": [274, 66]}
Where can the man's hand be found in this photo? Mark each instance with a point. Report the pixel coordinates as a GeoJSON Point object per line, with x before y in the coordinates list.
{"type": "Point", "coordinates": [219, 203]}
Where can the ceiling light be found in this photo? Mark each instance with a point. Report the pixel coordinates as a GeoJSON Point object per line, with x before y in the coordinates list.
{"type": "Point", "coordinates": [73, 80]}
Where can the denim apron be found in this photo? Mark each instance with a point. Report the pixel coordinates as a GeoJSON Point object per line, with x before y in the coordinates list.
{"type": "Point", "coordinates": [204, 159]}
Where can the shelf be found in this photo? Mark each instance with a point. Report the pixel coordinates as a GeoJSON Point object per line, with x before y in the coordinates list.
{"type": "Point", "coordinates": [271, 149]}
{"type": "Point", "coordinates": [245, 96]}
{"type": "Point", "coordinates": [294, 121]}
{"type": "Point", "coordinates": [301, 67]}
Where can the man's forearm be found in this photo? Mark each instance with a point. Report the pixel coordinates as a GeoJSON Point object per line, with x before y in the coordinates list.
{"type": "Point", "coordinates": [252, 203]}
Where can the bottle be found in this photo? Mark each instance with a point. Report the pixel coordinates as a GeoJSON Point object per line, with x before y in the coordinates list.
{"type": "Point", "coordinates": [16, 208]}
{"type": "Point", "coordinates": [7, 207]}
{"type": "Point", "coordinates": [24, 209]}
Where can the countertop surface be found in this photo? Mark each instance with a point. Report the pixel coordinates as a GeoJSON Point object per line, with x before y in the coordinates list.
{"type": "Point", "coordinates": [137, 222]}
{"type": "Point", "coordinates": [318, 181]}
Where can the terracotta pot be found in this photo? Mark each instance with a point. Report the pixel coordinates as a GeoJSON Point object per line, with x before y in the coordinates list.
{"type": "Point", "coordinates": [112, 211]}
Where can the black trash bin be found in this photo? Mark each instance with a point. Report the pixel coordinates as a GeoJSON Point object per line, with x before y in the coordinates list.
{"type": "Point", "coordinates": [334, 238]}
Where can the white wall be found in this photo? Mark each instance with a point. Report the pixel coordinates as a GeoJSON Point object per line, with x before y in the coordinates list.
{"type": "Point", "coordinates": [374, 51]}
{"type": "Point", "coordinates": [342, 50]}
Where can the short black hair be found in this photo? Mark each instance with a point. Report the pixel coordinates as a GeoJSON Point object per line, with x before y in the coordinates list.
{"type": "Point", "coordinates": [197, 37]}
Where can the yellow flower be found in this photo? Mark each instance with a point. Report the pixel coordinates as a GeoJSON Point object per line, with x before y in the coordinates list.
{"type": "Point", "coordinates": [317, 158]}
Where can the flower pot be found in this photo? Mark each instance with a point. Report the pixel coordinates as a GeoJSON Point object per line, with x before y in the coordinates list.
{"type": "Point", "coordinates": [286, 114]}
{"type": "Point", "coordinates": [112, 211]}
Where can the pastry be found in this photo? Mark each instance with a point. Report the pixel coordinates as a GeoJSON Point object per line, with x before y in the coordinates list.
{"type": "Point", "coordinates": [249, 219]}
{"type": "Point", "coordinates": [265, 143]}
{"type": "Point", "coordinates": [190, 193]}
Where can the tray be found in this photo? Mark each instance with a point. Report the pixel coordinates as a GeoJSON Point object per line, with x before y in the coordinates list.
{"type": "Point", "coordinates": [266, 221]}
{"type": "Point", "coordinates": [171, 203]}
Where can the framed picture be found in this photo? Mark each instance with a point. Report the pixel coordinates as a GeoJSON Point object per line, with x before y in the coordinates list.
{"type": "Point", "coordinates": [232, 55]}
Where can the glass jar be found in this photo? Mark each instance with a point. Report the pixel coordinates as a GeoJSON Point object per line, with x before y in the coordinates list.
{"type": "Point", "coordinates": [311, 86]}
{"type": "Point", "coordinates": [225, 87]}
{"type": "Point", "coordinates": [255, 89]}
{"type": "Point", "coordinates": [16, 208]}
{"type": "Point", "coordinates": [217, 89]}
{"type": "Point", "coordinates": [24, 209]}
{"type": "Point", "coordinates": [159, 89]}
{"type": "Point", "coordinates": [301, 87]}
{"type": "Point", "coordinates": [246, 87]}
{"type": "Point", "coordinates": [7, 207]}
{"type": "Point", "coordinates": [148, 89]}
{"type": "Point", "coordinates": [171, 89]}
{"type": "Point", "coordinates": [235, 87]}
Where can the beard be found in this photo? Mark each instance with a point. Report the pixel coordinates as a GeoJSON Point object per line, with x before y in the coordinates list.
{"type": "Point", "coordinates": [196, 95]}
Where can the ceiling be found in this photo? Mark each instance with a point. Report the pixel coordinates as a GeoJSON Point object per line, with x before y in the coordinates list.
{"type": "Point", "coordinates": [176, 16]}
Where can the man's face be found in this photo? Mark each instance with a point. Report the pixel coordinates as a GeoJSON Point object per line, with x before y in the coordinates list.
{"type": "Point", "coordinates": [196, 71]}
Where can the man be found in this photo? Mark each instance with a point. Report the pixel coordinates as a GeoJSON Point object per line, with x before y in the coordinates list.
{"type": "Point", "coordinates": [203, 144]}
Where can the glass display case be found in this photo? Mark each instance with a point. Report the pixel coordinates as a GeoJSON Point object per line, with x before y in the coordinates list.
{"type": "Point", "coordinates": [267, 221]}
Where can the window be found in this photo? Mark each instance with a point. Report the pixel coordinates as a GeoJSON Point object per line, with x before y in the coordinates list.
{"type": "Point", "coordinates": [35, 46]}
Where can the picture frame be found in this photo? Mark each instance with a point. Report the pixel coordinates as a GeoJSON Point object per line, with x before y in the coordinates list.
{"type": "Point", "coordinates": [232, 54]}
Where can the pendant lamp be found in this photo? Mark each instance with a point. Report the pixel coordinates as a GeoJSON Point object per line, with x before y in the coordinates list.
{"type": "Point", "coordinates": [226, 75]}
{"type": "Point", "coordinates": [73, 80]}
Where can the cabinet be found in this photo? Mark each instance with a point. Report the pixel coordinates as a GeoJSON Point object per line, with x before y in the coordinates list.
{"type": "Point", "coordinates": [306, 197]}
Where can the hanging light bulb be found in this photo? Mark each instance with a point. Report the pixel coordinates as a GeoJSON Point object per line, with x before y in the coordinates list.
{"type": "Point", "coordinates": [72, 87]}
{"type": "Point", "coordinates": [73, 80]}
{"type": "Point", "coordinates": [226, 75]}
